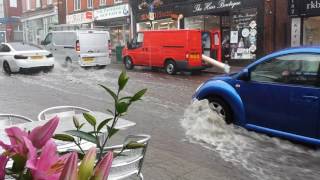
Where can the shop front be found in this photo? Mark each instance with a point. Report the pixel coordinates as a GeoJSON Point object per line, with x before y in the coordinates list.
{"type": "Point", "coordinates": [232, 26]}
{"type": "Point", "coordinates": [116, 20]}
{"type": "Point", "coordinates": [305, 22]}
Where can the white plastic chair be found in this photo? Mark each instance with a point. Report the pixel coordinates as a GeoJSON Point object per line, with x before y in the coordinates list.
{"type": "Point", "coordinates": [61, 111]}
{"type": "Point", "coordinates": [130, 161]}
{"type": "Point", "coordinates": [12, 119]}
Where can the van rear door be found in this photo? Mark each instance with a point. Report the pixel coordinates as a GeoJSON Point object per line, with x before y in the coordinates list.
{"type": "Point", "coordinates": [94, 48]}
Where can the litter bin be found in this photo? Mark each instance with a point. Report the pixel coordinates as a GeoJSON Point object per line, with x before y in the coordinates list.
{"type": "Point", "coordinates": [119, 53]}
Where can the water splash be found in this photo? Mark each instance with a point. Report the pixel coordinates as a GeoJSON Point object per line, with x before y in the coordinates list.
{"type": "Point", "coordinates": [263, 156]}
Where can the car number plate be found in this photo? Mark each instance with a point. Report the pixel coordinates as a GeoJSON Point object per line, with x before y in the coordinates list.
{"type": "Point", "coordinates": [36, 57]}
{"type": "Point", "coordinates": [88, 59]}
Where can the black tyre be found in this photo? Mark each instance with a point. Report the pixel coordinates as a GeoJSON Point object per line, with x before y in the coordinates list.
{"type": "Point", "coordinates": [223, 109]}
{"type": "Point", "coordinates": [128, 63]}
{"type": "Point", "coordinates": [6, 68]}
{"type": "Point", "coordinates": [171, 67]}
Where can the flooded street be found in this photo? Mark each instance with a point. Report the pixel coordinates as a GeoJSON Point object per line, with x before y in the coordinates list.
{"type": "Point", "coordinates": [188, 140]}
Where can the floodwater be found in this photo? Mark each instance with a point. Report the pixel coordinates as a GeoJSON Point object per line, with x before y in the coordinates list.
{"type": "Point", "coordinates": [265, 157]}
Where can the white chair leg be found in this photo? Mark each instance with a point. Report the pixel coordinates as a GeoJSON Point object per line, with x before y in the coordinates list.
{"type": "Point", "coordinates": [141, 176]}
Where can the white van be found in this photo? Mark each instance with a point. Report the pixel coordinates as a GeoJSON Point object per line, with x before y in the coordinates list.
{"type": "Point", "coordinates": [86, 47]}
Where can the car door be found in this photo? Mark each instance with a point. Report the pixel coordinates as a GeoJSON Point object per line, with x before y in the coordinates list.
{"type": "Point", "coordinates": [283, 94]}
{"type": "Point", "coordinates": [139, 51]}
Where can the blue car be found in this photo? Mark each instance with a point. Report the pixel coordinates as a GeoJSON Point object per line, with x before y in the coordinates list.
{"type": "Point", "coordinates": [278, 94]}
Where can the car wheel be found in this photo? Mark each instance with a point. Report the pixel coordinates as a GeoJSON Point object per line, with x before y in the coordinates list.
{"type": "Point", "coordinates": [128, 63]}
{"type": "Point", "coordinates": [171, 67]}
{"type": "Point", "coordinates": [223, 110]}
{"type": "Point", "coordinates": [6, 68]}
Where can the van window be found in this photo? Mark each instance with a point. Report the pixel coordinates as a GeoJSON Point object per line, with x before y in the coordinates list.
{"type": "Point", "coordinates": [140, 38]}
{"type": "Point", "coordinates": [48, 39]}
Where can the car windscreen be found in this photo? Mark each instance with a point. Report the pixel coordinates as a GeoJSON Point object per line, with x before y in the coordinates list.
{"type": "Point", "coordinates": [24, 47]}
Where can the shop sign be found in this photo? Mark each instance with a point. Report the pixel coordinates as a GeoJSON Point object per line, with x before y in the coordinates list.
{"type": "Point", "coordinates": [304, 7]}
{"type": "Point", "coordinates": [80, 18]}
{"type": "Point", "coordinates": [294, 7]}
{"type": "Point", "coordinates": [296, 32]}
{"type": "Point", "coordinates": [112, 12]}
{"type": "Point", "coordinates": [213, 5]}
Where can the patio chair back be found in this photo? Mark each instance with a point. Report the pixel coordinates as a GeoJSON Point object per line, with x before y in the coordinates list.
{"type": "Point", "coordinates": [60, 111]}
{"type": "Point", "coordinates": [12, 119]}
{"type": "Point", "coordinates": [131, 160]}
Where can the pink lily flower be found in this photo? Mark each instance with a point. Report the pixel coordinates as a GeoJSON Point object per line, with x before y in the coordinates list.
{"type": "Point", "coordinates": [69, 171]}
{"type": "Point", "coordinates": [87, 164]}
{"type": "Point", "coordinates": [3, 163]}
{"type": "Point", "coordinates": [48, 165]}
{"type": "Point", "coordinates": [40, 135]}
{"type": "Point", "coordinates": [103, 168]}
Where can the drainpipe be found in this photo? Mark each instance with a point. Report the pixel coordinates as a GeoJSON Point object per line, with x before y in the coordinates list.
{"type": "Point", "coordinates": [179, 19]}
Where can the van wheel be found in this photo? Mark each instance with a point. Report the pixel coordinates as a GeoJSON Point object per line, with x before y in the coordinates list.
{"type": "Point", "coordinates": [171, 67]}
{"type": "Point", "coordinates": [6, 68]}
{"type": "Point", "coordinates": [128, 63]}
{"type": "Point", "coordinates": [222, 109]}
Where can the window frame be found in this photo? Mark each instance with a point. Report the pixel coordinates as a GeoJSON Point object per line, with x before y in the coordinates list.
{"type": "Point", "coordinates": [90, 2]}
{"type": "Point", "coordinates": [77, 5]}
{"type": "Point", "coordinates": [250, 69]}
{"type": "Point", "coordinates": [102, 2]}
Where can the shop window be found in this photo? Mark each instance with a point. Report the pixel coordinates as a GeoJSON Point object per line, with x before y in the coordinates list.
{"type": "Point", "coordinates": [206, 22]}
{"type": "Point", "coordinates": [243, 34]}
{"type": "Point", "coordinates": [90, 3]}
{"type": "Point", "coordinates": [77, 5]}
{"type": "Point", "coordinates": [311, 31]}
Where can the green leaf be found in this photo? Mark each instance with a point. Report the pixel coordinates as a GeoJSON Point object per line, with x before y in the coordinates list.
{"type": "Point", "coordinates": [76, 122]}
{"type": "Point", "coordinates": [138, 95]}
{"type": "Point", "coordinates": [125, 98]}
{"type": "Point", "coordinates": [91, 119]}
{"type": "Point", "coordinates": [81, 125]}
{"type": "Point", "coordinates": [83, 135]}
{"type": "Point", "coordinates": [103, 123]}
{"type": "Point", "coordinates": [19, 163]}
{"type": "Point", "coordinates": [112, 94]}
{"type": "Point", "coordinates": [123, 79]}
{"type": "Point", "coordinates": [122, 107]}
{"type": "Point", "coordinates": [63, 137]}
{"type": "Point", "coordinates": [134, 145]}
{"type": "Point", "coordinates": [111, 112]}
{"type": "Point", "coordinates": [112, 131]}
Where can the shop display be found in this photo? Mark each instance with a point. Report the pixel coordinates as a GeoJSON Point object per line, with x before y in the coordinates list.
{"type": "Point", "coordinates": [244, 34]}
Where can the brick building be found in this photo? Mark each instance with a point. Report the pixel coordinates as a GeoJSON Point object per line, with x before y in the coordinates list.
{"type": "Point", "coordinates": [38, 17]}
{"type": "Point", "coordinates": [111, 15]}
{"type": "Point", "coordinates": [10, 26]}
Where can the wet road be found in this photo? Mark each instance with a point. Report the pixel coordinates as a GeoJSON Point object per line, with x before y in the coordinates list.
{"type": "Point", "coordinates": [188, 142]}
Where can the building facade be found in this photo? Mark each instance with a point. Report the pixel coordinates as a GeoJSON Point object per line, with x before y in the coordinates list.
{"type": "Point", "coordinates": [305, 22]}
{"type": "Point", "coordinates": [247, 29]}
{"type": "Point", "coordinates": [111, 15]}
{"type": "Point", "coordinates": [38, 18]}
{"type": "Point", "coordinates": [10, 26]}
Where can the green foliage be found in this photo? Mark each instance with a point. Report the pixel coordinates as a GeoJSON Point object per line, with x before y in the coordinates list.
{"type": "Point", "coordinates": [63, 137]}
{"type": "Point", "coordinates": [121, 106]}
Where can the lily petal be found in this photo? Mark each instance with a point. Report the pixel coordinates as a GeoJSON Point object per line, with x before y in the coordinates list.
{"type": "Point", "coordinates": [69, 171]}
{"type": "Point", "coordinates": [3, 163]}
{"type": "Point", "coordinates": [103, 168]}
{"type": "Point", "coordinates": [87, 164]}
{"type": "Point", "coordinates": [40, 135]}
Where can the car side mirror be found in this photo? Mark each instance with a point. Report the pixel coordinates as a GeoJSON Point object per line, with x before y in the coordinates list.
{"type": "Point", "coordinates": [244, 75]}
{"type": "Point", "coordinates": [43, 43]}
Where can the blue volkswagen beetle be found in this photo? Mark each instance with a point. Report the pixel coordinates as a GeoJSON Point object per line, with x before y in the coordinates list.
{"type": "Point", "coordinates": [278, 95]}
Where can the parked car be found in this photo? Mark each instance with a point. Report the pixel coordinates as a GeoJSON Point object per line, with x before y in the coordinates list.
{"type": "Point", "coordinates": [85, 47]}
{"type": "Point", "coordinates": [173, 50]}
{"type": "Point", "coordinates": [18, 56]}
{"type": "Point", "coordinates": [278, 95]}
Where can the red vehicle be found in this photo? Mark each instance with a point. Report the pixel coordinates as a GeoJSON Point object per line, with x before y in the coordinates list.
{"type": "Point", "coordinates": [173, 50]}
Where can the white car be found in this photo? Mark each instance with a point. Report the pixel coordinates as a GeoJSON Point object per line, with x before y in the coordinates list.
{"type": "Point", "coordinates": [19, 57]}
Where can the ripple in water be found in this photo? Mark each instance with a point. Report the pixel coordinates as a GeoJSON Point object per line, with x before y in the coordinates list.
{"type": "Point", "coordinates": [263, 156]}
